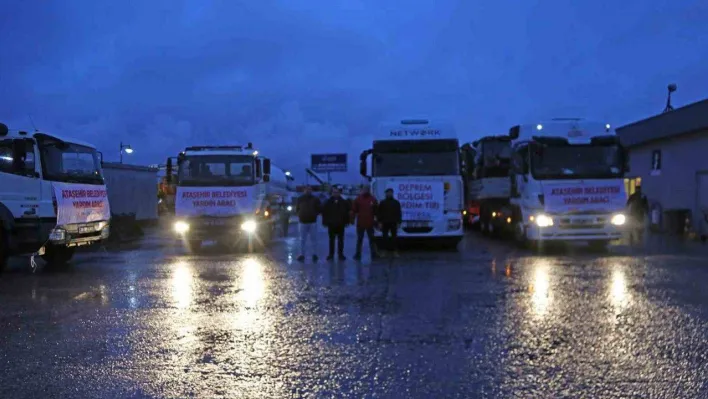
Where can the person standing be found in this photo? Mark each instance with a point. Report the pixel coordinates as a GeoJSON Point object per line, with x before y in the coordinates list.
{"type": "Point", "coordinates": [389, 216]}
{"type": "Point", "coordinates": [364, 210]}
{"type": "Point", "coordinates": [284, 216]}
{"type": "Point", "coordinates": [308, 208]}
{"type": "Point", "coordinates": [638, 209]}
{"type": "Point", "coordinates": [335, 216]}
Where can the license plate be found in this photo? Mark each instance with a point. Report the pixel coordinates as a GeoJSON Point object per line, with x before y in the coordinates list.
{"type": "Point", "coordinates": [86, 229]}
{"type": "Point", "coordinates": [416, 224]}
{"type": "Point", "coordinates": [215, 222]}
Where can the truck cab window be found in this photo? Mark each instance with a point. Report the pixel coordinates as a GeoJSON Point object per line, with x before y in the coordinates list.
{"type": "Point", "coordinates": [521, 160]}
{"type": "Point", "coordinates": [6, 159]}
{"type": "Point", "coordinates": [8, 151]}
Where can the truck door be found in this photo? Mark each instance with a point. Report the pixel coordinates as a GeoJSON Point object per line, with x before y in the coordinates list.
{"type": "Point", "coordinates": [20, 187]}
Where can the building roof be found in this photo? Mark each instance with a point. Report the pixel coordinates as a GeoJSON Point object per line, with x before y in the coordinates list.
{"type": "Point", "coordinates": [687, 119]}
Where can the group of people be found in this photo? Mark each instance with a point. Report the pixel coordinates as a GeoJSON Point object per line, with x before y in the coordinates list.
{"type": "Point", "coordinates": [337, 213]}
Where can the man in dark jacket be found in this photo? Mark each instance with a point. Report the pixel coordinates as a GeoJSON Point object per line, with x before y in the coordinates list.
{"type": "Point", "coordinates": [390, 217]}
{"type": "Point", "coordinates": [308, 208]}
{"type": "Point", "coordinates": [638, 209]}
{"type": "Point", "coordinates": [364, 210]}
{"type": "Point", "coordinates": [335, 216]}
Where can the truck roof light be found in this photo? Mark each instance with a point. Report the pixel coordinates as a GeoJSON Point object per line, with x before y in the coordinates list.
{"type": "Point", "coordinates": [414, 122]}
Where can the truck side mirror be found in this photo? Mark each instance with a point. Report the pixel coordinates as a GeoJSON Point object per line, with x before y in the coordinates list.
{"type": "Point", "coordinates": [362, 163]}
{"type": "Point", "coordinates": [100, 157]}
{"type": "Point", "coordinates": [258, 168]}
{"type": "Point", "coordinates": [514, 132]}
{"type": "Point", "coordinates": [266, 178]}
{"type": "Point", "coordinates": [266, 166]}
{"type": "Point", "coordinates": [168, 171]}
{"type": "Point", "coordinates": [18, 155]}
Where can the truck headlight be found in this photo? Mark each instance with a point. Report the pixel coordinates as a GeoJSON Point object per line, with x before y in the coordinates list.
{"type": "Point", "coordinates": [249, 226]}
{"type": "Point", "coordinates": [544, 221]}
{"type": "Point", "coordinates": [58, 234]}
{"type": "Point", "coordinates": [181, 227]}
{"type": "Point", "coordinates": [618, 219]}
{"type": "Point", "coordinates": [290, 208]}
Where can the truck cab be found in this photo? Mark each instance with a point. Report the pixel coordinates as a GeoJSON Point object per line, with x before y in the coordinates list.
{"type": "Point", "coordinates": [421, 162]}
{"type": "Point", "coordinates": [567, 182]}
{"type": "Point", "coordinates": [487, 183]}
{"type": "Point", "coordinates": [52, 196]}
{"type": "Point", "coordinates": [227, 194]}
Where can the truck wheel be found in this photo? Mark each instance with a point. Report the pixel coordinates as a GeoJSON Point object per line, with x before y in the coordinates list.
{"type": "Point", "coordinates": [57, 257]}
{"type": "Point", "coordinates": [484, 223]}
{"type": "Point", "coordinates": [599, 245]}
{"type": "Point", "coordinates": [522, 239]}
{"type": "Point", "coordinates": [451, 244]}
{"type": "Point", "coordinates": [4, 249]}
{"type": "Point", "coordinates": [194, 245]}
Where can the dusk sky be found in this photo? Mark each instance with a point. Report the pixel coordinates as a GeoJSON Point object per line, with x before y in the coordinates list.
{"type": "Point", "coordinates": [297, 77]}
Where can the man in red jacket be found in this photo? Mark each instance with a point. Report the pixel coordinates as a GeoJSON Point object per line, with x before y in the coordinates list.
{"type": "Point", "coordinates": [364, 210]}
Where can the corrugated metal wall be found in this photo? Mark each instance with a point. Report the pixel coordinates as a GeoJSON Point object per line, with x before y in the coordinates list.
{"type": "Point", "coordinates": [131, 189]}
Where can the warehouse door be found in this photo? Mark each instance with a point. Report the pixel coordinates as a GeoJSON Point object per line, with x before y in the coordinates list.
{"type": "Point", "coordinates": [701, 212]}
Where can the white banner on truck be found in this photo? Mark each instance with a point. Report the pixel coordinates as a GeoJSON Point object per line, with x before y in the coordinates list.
{"type": "Point", "coordinates": [585, 196]}
{"type": "Point", "coordinates": [81, 203]}
{"type": "Point", "coordinates": [420, 200]}
{"type": "Point", "coordinates": [214, 201]}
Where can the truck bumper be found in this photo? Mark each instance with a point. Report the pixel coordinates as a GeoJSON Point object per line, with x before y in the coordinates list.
{"type": "Point", "coordinates": [232, 230]}
{"type": "Point", "coordinates": [449, 227]}
{"type": "Point", "coordinates": [559, 233]}
{"type": "Point", "coordinates": [80, 234]}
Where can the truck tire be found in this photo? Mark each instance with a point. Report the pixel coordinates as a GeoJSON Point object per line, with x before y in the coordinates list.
{"type": "Point", "coordinates": [522, 239]}
{"type": "Point", "coordinates": [451, 244]}
{"type": "Point", "coordinates": [57, 257]}
{"type": "Point", "coordinates": [194, 245]}
{"type": "Point", "coordinates": [484, 222]}
{"type": "Point", "coordinates": [599, 245]}
{"type": "Point", "coordinates": [261, 243]}
{"type": "Point", "coordinates": [4, 249]}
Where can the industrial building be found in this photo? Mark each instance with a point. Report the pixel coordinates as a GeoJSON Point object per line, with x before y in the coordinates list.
{"type": "Point", "coordinates": [668, 157]}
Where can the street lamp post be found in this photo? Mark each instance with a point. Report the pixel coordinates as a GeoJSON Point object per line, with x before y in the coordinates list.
{"type": "Point", "coordinates": [126, 148]}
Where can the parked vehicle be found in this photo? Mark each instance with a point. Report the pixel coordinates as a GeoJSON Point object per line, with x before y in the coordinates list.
{"type": "Point", "coordinates": [52, 196]}
{"type": "Point", "coordinates": [487, 182]}
{"type": "Point", "coordinates": [566, 184]}
{"type": "Point", "coordinates": [225, 193]}
{"type": "Point", "coordinates": [421, 163]}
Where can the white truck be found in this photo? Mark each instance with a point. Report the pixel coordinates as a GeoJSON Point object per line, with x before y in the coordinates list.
{"type": "Point", "coordinates": [227, 194]}
{"type": "Point", "coordinates": [52, 196]}
{"type": "Point", "coordinates": [567, 183]}
{"type": "Point", "coordinates": [486, 173]}
{"type": "Point", "coordinates": [421, 163]}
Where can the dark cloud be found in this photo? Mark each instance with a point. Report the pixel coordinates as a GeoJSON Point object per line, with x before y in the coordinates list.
{"type": "Point", "coordinates": [318, 76]}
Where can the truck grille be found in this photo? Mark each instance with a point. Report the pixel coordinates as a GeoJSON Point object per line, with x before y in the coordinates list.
{"type": "Point", "coordinates": [582, 223]}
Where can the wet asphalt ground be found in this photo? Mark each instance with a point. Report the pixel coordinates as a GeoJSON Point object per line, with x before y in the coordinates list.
{"type": "Point", "coordinates": [488, 321]}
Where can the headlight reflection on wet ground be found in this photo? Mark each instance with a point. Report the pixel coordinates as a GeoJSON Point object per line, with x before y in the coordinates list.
{"type": "Point", "coordinates": [618, 291]}
{"type": "Point", "coordinates": [182, 282]}
{"type": "Point", "coordinates": [540, 288]}
{"type": "Point", "coordinates": [252, 282]}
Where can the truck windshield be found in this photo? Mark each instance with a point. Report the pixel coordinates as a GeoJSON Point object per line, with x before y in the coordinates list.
{"type": "Point", "coordinates": [217, 170]}
{"type": "Point", "coordinates": [70, 163]}
{"type": "Point", "coordinates": [416, 158]}
{"type": "Point", "coordinates": [495, 159]}
{"type": "Point", "coordinates": [576, 161]}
